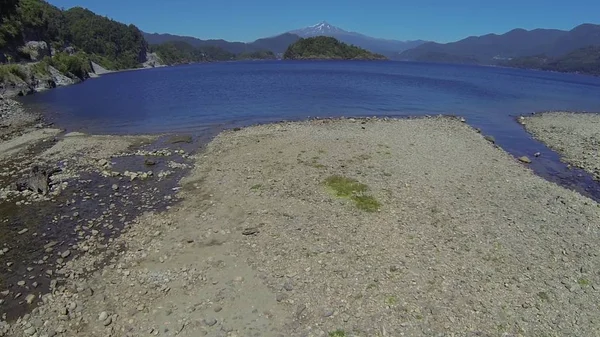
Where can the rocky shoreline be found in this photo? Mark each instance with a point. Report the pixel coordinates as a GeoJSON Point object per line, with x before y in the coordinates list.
{"type": "Point", "coordinates": [575, 136]}
{"type": "Point", "coordinates": [352, 227]}
{"type": "Point", "coordinates": [66, 195]}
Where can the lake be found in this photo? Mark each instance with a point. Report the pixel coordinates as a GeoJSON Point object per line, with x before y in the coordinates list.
{"type": "Point", "coordinates": [203, 99]}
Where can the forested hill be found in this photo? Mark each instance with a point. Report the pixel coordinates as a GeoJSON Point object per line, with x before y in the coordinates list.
{"type": "Point", "coordinates": [583, 60]}
{"type": "Point", "coordinates": [112, 44]}
{"type": "Point", "coordinates": [323, 47]}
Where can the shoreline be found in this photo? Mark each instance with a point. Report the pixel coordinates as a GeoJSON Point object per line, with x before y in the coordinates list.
{"type": "Point", "coordinates": [97, 185]}
{"type": "Point", "coordinates": [254, 215]}
{"type": "Point", "coordinates": [574, 135]}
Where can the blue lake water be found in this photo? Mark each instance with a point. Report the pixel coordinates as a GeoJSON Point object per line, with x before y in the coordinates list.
{"type": "Point", "coordinates": [205, 98]}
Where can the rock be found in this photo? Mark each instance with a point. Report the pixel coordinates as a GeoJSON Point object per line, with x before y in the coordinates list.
{"type": "Point", "coordinates": [115, 187]}
{"type": "Point", "coordinates": [149, 162]}
{"type": "Point", "coordinates": [30, 298]}
{"type": "Point", "coordinates": [490, 139]}
{"type": "Point", "coordinates": [65, 254]}
{"type": "Point", "coordinates": [525, 160]}
{"type": "Point", "coordinates": [280, 297]}
{"type": "Point", "coordinates": [21, 283]}
{"type": "Point", "coordinates": [288, 286]}
{"type": "Point", "coordinates": [537, 154]}
{"type": "Point", "coordinates": [103, 316]}
{"type": "Point", "coordinates": [36, 50]}
{"type": "Point", "coordinates": [23, 231]}
{"type": "Point", "coordinates": [30, 331]}
{"type": "Point", "coordinates": [38, 180]}
{"type": "Point", "coordinates": [180, 139]}
{"type": "Point", "coordinates": [103, 162]}
{"type": "Point", "coordinates": [250, 231]}
{"type": "Point", "coordinates": [107, 321]}
{"type": "Point", "coordinates": [327, 313]}
{"type": "Point", "coordinates": [300, 310]}
{"type": "Point", "coordinates": [218, 308]}
{"type": "Point", "coordinates": [210, 321]}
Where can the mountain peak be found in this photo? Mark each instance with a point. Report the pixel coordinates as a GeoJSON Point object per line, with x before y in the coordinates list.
{"type": "Point", "coordinates": [321, 28]}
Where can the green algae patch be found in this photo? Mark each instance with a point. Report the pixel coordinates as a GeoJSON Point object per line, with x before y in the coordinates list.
{"type": "Point", "coordinates": [343, 187]}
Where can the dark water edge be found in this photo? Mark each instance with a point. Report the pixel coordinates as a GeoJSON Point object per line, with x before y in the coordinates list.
{"type": "Point", "coordinates": [88, 204]}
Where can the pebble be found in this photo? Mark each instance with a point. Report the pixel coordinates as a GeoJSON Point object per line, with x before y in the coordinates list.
{"type": "Point", "coordinates": [115, 187]}
{"type": "Point", "coordinates": [23, 231]}
{"type": "Point", "coordinates": [525, 160]}
{"type": "Point", "coordinates": [288, 286]}
{"type": "Point", "coordinates": [107, 321]}
{"type": "Point", "coordinates": [103, 316]}
{"type": "Point", "coordinates": [218, 308]}
{"type": "Point", "coordinates": [280, 297]}
{"type": "Point", "coordinates": [30, 332]}
{"type": "Point", "coordinates": [328, 313]}
{"type": "Point", "coordinates": [30, 298]}
{"type": "Point", "coordinates": [65, 254]}
{"type": "Point", "coordinates": [210, 321]}
{"type": "Point", "coordinates": [21, 283]}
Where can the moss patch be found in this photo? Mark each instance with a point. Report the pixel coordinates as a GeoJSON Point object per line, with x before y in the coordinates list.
{"type": "Point", "coordinates": [337, 333]}
{"type": "Point", "coordinates": [344, 187]}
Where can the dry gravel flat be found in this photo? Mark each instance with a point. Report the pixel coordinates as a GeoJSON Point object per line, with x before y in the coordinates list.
{"type": "Point", "coordinates": [467, 242]}
{"type": "Point", "coordinates": [576, 136]}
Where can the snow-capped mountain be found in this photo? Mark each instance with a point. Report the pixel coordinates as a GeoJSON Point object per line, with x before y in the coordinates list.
{"type": "Point", "coordinates": [390, 48]}
{"type": "Point", "coordinates": [322, 28]}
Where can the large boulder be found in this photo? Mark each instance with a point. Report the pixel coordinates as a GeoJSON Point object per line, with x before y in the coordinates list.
{"type": "Point", "coordinates": [36, 50]}
{"type": "Point", "coordinates": [152, 61]}
{"type": "Point", "coordinates": [99, 70]}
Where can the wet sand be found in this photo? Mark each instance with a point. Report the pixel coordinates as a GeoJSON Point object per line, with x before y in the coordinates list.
{"type": "Point", "coordinates": [413, 227]}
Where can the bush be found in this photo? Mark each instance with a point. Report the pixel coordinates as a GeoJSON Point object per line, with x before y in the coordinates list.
{"type": "Point", "coordinates": [78, 64]}
{"type": "Point", "coordinates": [9, 72]}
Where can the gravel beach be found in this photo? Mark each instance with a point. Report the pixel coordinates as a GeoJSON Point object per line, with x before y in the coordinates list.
{"type": "Point", "coordinates": [416, 227]}
{"type": "Point", "coordinates": [576, 136]}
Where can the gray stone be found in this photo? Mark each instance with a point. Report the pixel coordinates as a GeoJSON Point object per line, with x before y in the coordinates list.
{"type": "Point", "coordinates": [30, 298]}
{"type": "Point", "coordinates": [288, 286]}
{"type": "Point", "coordinates": [107, 321]}
{"type": "Point", "coordinates": [525, 160]}
{"type": "Point", "coordinates": [490, 139]}
{"type": "Point", "coordinates": [36, 50]}
{"type": "Point", "coordinates": [180, 139]}
{"type": "Point", "coordinates": [103, 316]}
{"type": "Point", "coordinates": [280, 297]}
{"type": "Point", "coordinates": [210, 321]}
{"type": "Point", "coordinates": [30, 331]}
{"type": "Point", "coordinates": [65, 254]}
{"type": "Point", "coordinates": [115, 187]}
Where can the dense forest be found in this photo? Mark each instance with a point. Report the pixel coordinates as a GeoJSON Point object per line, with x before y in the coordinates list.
{"type": "Point", "coordinates": [112, 44]}
{"type": "Point", "coordinates": [179, 52]}
{"type": "Point", "coordinates": [583, 60]}
{"type": "Point", "coordinates": [323, 47]}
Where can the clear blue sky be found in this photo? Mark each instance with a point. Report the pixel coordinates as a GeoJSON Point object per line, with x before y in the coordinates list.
{"type": "Point", "coordinates": [437, 20]}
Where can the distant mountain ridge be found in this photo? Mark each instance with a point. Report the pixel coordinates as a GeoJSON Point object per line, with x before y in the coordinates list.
{"type": "Point", "coordinates": [495, 49]}
{"type": "Point", "coordinates": [276, 44]}
{"type": "Point", "coordinates": [389, 48]}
